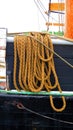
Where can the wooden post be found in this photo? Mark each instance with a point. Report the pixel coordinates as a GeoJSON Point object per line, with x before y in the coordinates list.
{"type": "Point", "coordinates": [68, 19]}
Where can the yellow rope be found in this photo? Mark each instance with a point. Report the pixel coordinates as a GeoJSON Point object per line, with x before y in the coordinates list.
{"type": "Point", "coordinates": [34, 65]}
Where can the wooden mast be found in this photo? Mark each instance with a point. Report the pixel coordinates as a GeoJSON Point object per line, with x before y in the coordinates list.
{"type": "Point", "coordinates": [69, 19]}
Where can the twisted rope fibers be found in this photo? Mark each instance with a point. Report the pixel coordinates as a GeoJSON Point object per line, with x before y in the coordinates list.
{"type": "Point", "coordinates": [35, 65]}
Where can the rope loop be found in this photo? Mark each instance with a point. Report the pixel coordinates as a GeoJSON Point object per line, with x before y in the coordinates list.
{"type": "Point", "coordinates": [58, 109]}
{"type": "Point", "coordinates": [34, 65]}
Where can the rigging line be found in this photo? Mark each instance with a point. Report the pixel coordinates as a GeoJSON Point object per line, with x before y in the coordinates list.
{"type": "Point", "coordinates": [21, 106]}
{"type": "Point", "coordinates": [49, 1]}
{"type": "Point", "coordinates": [60, 57]}
{"type": "Point", "coordinates": [40, 10]}
{"type": "Point", "coordinates": [57, 12]}
{"type": "Point", "coordinates": [46, 13]}
{"type": "Point", "coordinates": [41, 5]}
{"type": "Point", "coordinates": [62, 18]}
{"type": "Point", "coordinates": [44, 9]}
{"type": "Point", "coordinates": [49, 5]}
{"type": "Point", "coordinates": [51, 16]}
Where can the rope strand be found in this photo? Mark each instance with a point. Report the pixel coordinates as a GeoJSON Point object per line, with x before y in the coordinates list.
{"type": "Point", "coordinates": [36, 64]}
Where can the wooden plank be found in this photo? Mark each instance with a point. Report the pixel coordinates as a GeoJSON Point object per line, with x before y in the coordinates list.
{"type": "Point", "coordinates": [68, 33]}
{"type": "Point", "coordinates": [54, 24]}
{"type": "Point", "coordinates": [57, 6]}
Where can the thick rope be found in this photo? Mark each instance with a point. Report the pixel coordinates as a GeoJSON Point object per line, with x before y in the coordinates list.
{"type": "Point", "coordinates": [34, 65]}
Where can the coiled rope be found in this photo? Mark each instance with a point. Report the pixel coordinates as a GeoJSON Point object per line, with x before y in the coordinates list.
{"type": "Point", "coordinates": [34, 65]}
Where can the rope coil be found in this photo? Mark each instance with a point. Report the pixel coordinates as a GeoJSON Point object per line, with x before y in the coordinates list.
{"type": "Point", "coordinates": [34, 65]}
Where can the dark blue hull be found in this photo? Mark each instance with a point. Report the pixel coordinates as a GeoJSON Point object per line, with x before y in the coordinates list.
{"type": "Point", "coordinates": [32, 112]}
